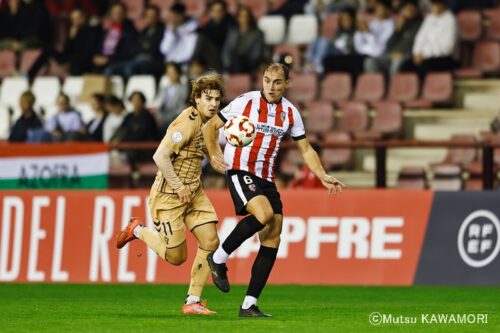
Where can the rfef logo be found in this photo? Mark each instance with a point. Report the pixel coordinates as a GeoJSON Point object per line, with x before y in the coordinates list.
{"type": "Point", "coordinates": [478, 238]}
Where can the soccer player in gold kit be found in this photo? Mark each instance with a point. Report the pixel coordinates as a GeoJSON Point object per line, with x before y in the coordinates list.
{"type": "Point", "coordinates": [177, 199]}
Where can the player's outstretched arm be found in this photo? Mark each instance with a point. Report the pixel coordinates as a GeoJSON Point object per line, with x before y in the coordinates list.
{"type": "Point", "coordinates": [312, 161]}
{"type": "Point", "coordinates": [211, 136]}
{"type": "Point", "coordinates": [163, 159]}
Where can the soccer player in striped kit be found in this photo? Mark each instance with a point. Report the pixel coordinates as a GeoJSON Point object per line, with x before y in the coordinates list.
{"type": "Point", "coordinates": [250, 173]}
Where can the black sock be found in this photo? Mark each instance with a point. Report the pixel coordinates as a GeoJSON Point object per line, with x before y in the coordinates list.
{"type": "Point", "coordinates": [261, 269]}
{"type": "Point", "coordinates": [245, 229]}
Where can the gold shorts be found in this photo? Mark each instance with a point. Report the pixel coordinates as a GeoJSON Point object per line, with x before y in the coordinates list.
{"type": "Point", "coordinates": [171, 216]}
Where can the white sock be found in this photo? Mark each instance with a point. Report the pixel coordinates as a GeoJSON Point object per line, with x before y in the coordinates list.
{"type": "Point", "coordinates": [191, 299]}
{"type": "Point", "coordinates": [220, 256]}
{"type": "Point", "coordinates": [248, 302]}
{"type": "Point", "coordinates": [137, 229]}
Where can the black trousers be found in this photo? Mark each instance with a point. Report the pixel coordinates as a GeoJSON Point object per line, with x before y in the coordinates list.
{"type": "Point", "coordinates": [438, 64]}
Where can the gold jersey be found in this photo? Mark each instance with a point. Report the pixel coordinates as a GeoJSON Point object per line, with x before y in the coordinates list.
{"type": "Point", "coordinates": [185, 140]}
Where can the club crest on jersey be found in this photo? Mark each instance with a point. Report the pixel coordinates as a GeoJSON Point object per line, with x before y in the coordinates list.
{"type": "Point", "coordinates": [283, 115]}
{"type": "Point", "coordinates": [177, 137]}
{"type": "Point", "coordinates": [252, 187]}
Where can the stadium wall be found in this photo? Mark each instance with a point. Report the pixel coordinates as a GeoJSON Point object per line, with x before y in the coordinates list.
{"type": "Point", "coordinates": [362, 237]}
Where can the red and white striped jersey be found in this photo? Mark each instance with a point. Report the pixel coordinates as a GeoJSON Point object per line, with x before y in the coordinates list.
{"type": "Point", "coordinates": [272, 122]}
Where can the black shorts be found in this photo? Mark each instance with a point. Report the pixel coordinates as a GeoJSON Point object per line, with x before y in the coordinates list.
{"type": "Point", "coordinates": [244, 186]}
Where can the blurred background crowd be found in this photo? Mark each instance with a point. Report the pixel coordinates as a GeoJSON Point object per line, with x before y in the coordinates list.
{"type": "Point", "coordinates": [152, 49]}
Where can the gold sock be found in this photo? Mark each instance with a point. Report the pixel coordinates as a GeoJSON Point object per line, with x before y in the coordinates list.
{"type": "Point", "coordinates": [199, 273]}
{"type": "Point", "coordinates": [153, 239]}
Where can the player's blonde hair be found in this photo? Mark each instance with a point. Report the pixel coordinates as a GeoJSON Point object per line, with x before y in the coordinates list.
{"type": "Point", "coordinates": [279, 67]}
{"type": "Point", "coordinates": [206, 83]}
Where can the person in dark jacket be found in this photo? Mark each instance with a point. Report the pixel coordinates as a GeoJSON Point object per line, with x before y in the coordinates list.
{"type": "Point", "coordinates": [77, 51]}
{"type": "Point", "coordinates": [146, 57]}
{"type": "Point", "coordinates": [138, 126]}
{"type": "Point", "coordinates": [243, 51]}
{"type": "Point", "coordinates": [28, 119]}
{"type": "Point", "coordinates": [400, 44]}
{"type": "Point", "coordinates": [94, 128]}
{"type": "Point", "coordinates": [340, 45]}
{"type": "Point", "coordinates": [117, 41]}
{"type": "Point", "coordinates": [26, 24]}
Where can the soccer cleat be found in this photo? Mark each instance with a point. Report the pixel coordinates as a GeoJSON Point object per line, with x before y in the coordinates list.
{"type": "Point", "coordinates": [253, 312]}
{"type": "Point", "coordinates": [199, 308]}
{"type": "Point", "coordinates": [219, 273]}
{"type": "Point", "coordinates": [127, 234]}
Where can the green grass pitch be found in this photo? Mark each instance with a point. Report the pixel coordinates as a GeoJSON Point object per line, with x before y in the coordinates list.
{"type": "Point", "coordinates": [156, 308]}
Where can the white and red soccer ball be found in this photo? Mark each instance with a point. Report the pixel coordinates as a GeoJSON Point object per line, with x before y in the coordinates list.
{"type": "Point", "coordinates": [239, 131]}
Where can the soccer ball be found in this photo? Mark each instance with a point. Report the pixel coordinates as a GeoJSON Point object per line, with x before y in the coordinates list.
{"type": "Point", "coordinates": [239, 131]}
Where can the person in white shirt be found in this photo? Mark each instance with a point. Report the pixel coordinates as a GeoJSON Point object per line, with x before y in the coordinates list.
{"type": "Point", "coordinates": [116, 113]}
{"type": "Point", "coordinates": [67, 123]}
{"type": "Point", "coordinates": [179, 39]}
{"type": "Point", "coordinates": [435, 46]}
{"type": "Point", "coordinates": [371, 39]}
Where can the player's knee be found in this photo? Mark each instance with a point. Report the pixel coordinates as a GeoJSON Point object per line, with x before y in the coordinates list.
{"type": "Point", "coordinates": [210, 244]}
{"type": "Point", "coordinates": [176, 258]}
{"type": "Point", "coordinates": [264, 216]}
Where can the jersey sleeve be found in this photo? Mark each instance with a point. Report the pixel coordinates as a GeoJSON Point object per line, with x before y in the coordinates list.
{"type": "Point", "coordinates": [297, 130]}
{"type": "Point", "coordinates": [234, 109]}
{"type": "Point", "coordinates": [178, 134]}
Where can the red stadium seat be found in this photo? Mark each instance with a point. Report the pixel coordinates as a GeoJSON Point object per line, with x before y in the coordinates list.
{"type": "Point", "coordinates": [354, 117]}
{"type": "Point", "coordinates": [470, 24]}
{"type": "Point", "coordinates": [28, 58]}
{"type": "Point", "coordinates": [237, 84]}
{"type": "Point", "coordinates": [493, 30]}
{"type": "Point", "coordinates": [370, 87]}
{"type": "Point", "coordinates": [336, 87]}
{"type": "Point", "coordinates": [329, 25]}
{"type": "Point", "coordinates": [411, 178]}
{"type": "Point", "coordinates": [460, 156]}
{"type": "Point", "coordinates": [291, 163]}
{"type": "Point", "coordinates": [320, 118]}
{"type": "Point", "coordinates": [438, 89]}
{"type": "Point", "coordinates": [336, 158]}
{"type": "Point", "coordinates": [293, 51]}
{"type": "Point", "coordinates": [485, 59]}
{"type": "Point", "coordinates": [7, 63]}
{"type": "Point", "coordinates": [388, 119]}
{"type": "Point", "coordinates": [304, 88]}
{"type": "Point", "coordinates": [403, 87]}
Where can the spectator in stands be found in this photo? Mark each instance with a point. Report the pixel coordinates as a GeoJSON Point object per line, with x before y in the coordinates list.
{"type": "Point", "coordinates": [218, 25]}
{"type": "Point", "coordinates": [323, 8]}
{"type": "Point", "coordinates": [28, 119]}
{"type": "Point", "coordinates": [213, 35]}
{"type": "Point", "coordinates": [243, 51]}
{"type": "Point", "coordinates": [435, 46]}
{"type": "Point", "coordinates": [287, 8]}
{"type": "Point", "coordinates": [197, 67]}
{"type": "Point", "coordinates": [26, 24]}
{"type": "Point", "coordinates": [116, 113]}
{"type": "Point", "coordinates": [116, 42]}
{"type": "Point", "coordinates": [67, 123]}
{"type": "Point", "coordinates": [146, 57]}
{"type": "Point", "coordinates": [399, 46]}
{"type": "Point", "coordinates": [371, 39]}
{"type": "Point", "coordinates": [172, 98]}
{"type": "Point", "coordinates": [341, 44]}
{"type": "Point", "coordinates": [179, 39]}
{"type": "Point", "coordinates": [139, 125]}
{"type": "Point", "coordinates": [94, 128]}
{"type": "Point", "coordinates": [77, 51]}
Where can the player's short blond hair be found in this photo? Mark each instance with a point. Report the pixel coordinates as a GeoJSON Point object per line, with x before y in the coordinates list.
{"type": "Point", "coordinates": [206, 83]}
{"type": "Point", "coordinates": [279, 67]}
